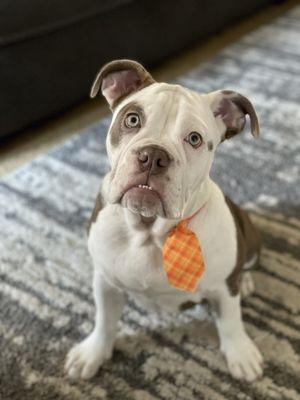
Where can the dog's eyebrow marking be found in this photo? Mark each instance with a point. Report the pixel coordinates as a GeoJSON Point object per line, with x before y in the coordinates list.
{"type": "Point", "coordinates": [210, 145]}
{"type": "Point", "coordinates": [117, 128]}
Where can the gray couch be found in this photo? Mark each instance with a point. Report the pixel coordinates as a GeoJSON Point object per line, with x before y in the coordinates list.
{"type": "Point", "coordinates": [50, 50]}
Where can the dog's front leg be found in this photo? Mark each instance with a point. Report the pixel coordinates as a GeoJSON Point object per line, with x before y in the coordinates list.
{"type": "Point", "coordinates": [243, 357]}
{"type": "Point", "coordinates": [84, 359]}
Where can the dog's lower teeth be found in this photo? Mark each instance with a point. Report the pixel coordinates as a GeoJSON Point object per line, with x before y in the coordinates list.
{"type": "Point", "coordinates": [145, 187]}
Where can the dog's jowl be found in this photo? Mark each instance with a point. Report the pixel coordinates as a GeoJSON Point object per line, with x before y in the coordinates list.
{"type": "Point", "coordinates": [163, 230]}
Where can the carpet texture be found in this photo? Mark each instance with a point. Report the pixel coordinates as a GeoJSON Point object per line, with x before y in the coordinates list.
{"type": "Point", "coordinates": [46, 272]}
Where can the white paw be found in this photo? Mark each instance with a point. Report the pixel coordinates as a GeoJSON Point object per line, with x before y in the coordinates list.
{"type": "Point", "coordinates": [243, 358]}
{"type": "Point", "coordinates": [85, 358]}
{"type": "Point", "coordinates": [247, 285]}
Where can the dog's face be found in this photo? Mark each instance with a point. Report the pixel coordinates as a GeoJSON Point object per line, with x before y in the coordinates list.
{"type": "Point", "coordinates": [162, 138]}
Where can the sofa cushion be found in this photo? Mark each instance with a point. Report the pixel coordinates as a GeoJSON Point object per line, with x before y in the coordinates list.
{"type": "Point", "coordinates": [50, 51]}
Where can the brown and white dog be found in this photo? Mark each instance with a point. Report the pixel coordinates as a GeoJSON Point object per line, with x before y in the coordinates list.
{"type": "Point", "coordinates": [161, 145]}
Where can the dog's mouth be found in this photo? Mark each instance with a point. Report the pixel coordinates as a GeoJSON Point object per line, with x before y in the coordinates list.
{"type": "Point", "coordinates": [144, 200]}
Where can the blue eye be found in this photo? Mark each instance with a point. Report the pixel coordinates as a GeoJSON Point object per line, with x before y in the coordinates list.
{"type": "Point", "coordinates": [132, 120]}
{"type": "Point", "coordinates": [194, 139]}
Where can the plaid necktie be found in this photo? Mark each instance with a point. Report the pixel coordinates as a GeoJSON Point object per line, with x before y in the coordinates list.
{"type": "Point", "coordinates": [182, 257]}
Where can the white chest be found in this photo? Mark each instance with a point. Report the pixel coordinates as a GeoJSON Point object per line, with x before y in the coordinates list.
{"type": "Point", "coordinates": [132, 260]}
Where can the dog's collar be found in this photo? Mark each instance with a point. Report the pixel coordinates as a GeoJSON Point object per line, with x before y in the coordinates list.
{"type": "Point", "coordinates": [188, 219]}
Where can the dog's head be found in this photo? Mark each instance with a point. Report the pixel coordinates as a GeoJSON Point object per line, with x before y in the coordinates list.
{"type": "Point", "coordinates": [162, 138]}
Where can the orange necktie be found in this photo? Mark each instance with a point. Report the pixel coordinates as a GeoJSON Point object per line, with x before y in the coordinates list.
{"type": "Point", "coordinates": [182, 257]}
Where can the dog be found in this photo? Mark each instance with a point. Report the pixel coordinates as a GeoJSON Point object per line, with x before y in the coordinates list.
{"type": "Point", "coordinates": [161, 145]}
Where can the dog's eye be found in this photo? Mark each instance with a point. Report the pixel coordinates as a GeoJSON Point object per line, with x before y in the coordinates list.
{"type": "Point", "coordinates": [194, 139]}
{"type": "Point", "coordinates": [132, 120]}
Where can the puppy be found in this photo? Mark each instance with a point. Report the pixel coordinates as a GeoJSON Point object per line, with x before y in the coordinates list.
{"type": "Point", "coordinates": [161, 145]}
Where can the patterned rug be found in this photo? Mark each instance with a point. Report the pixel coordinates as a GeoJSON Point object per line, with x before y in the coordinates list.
{"type": "Point", "coordinates": [46, 272]}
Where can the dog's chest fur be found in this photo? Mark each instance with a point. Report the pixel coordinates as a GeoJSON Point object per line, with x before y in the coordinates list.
{"type": "Point", "coordinates": [131, 258]}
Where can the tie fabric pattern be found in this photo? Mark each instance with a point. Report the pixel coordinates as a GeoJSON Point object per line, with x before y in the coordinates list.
{"type": "Point", "coordinates": [182, 257]}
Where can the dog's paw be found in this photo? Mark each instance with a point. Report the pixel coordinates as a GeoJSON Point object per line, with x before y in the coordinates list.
{"type": "Point", "coordinates": [85, 358]}
{"type": "Point", "coordinates": [243, 358]}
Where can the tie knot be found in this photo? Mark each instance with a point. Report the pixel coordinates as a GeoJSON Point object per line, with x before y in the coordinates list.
{"type": "Point", "coordinates": [183, 225]}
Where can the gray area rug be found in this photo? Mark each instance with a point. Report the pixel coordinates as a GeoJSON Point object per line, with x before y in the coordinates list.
{"type": "Point", "coordinates": [46, 272]}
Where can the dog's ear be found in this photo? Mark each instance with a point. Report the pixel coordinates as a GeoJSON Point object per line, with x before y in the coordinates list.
{"type": "Point", "coordinates": [119, 78]}
{"type": "Point", "coordinates": [232, 108]}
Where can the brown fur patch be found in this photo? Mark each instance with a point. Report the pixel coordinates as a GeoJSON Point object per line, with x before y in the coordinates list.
{"type": "Point", "coordinates": [119, 128]}
{"type": "Point", "coordinates": [248, 244]}
{"type": "Point", "coordinates": [97, 208]}
{"type": "Point", "coordinates": [210, 145]}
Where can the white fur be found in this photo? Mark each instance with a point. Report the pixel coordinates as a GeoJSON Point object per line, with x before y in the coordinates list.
{"type": "Point", "coordinates": [243, 358]}
{"type": "Point", "coordinates": [137, 265]}
{"type": "Point", "coordinates": [127, 255]}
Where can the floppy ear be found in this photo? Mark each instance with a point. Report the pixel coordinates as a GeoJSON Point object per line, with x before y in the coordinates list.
{"type": "Point", "coordinates": [232, 108]}
{"type": "Point", "coordinates": [119, 78]}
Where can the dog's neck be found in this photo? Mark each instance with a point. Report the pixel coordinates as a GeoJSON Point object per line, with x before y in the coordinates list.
{"type": "Point", "coordinates": [158, 227]}
{"type": "Point", "coordinates": [198, 199]}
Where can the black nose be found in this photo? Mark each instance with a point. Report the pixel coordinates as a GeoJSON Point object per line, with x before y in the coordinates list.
{"type": "Point", "coordinates": [154, 159]}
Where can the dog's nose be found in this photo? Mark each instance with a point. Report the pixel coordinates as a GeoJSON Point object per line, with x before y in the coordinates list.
{"type": "Point", "coordinates": [154, 159]}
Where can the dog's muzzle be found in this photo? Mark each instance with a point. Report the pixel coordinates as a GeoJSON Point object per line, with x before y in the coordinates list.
{"type": "Point", "coordinates": [145, 195]}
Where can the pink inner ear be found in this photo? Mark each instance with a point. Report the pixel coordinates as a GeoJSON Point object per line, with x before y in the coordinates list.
{"type": "Point", "coordinates": [231, 115]}
{"type": "Point", "coordinates": [119, 83]}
